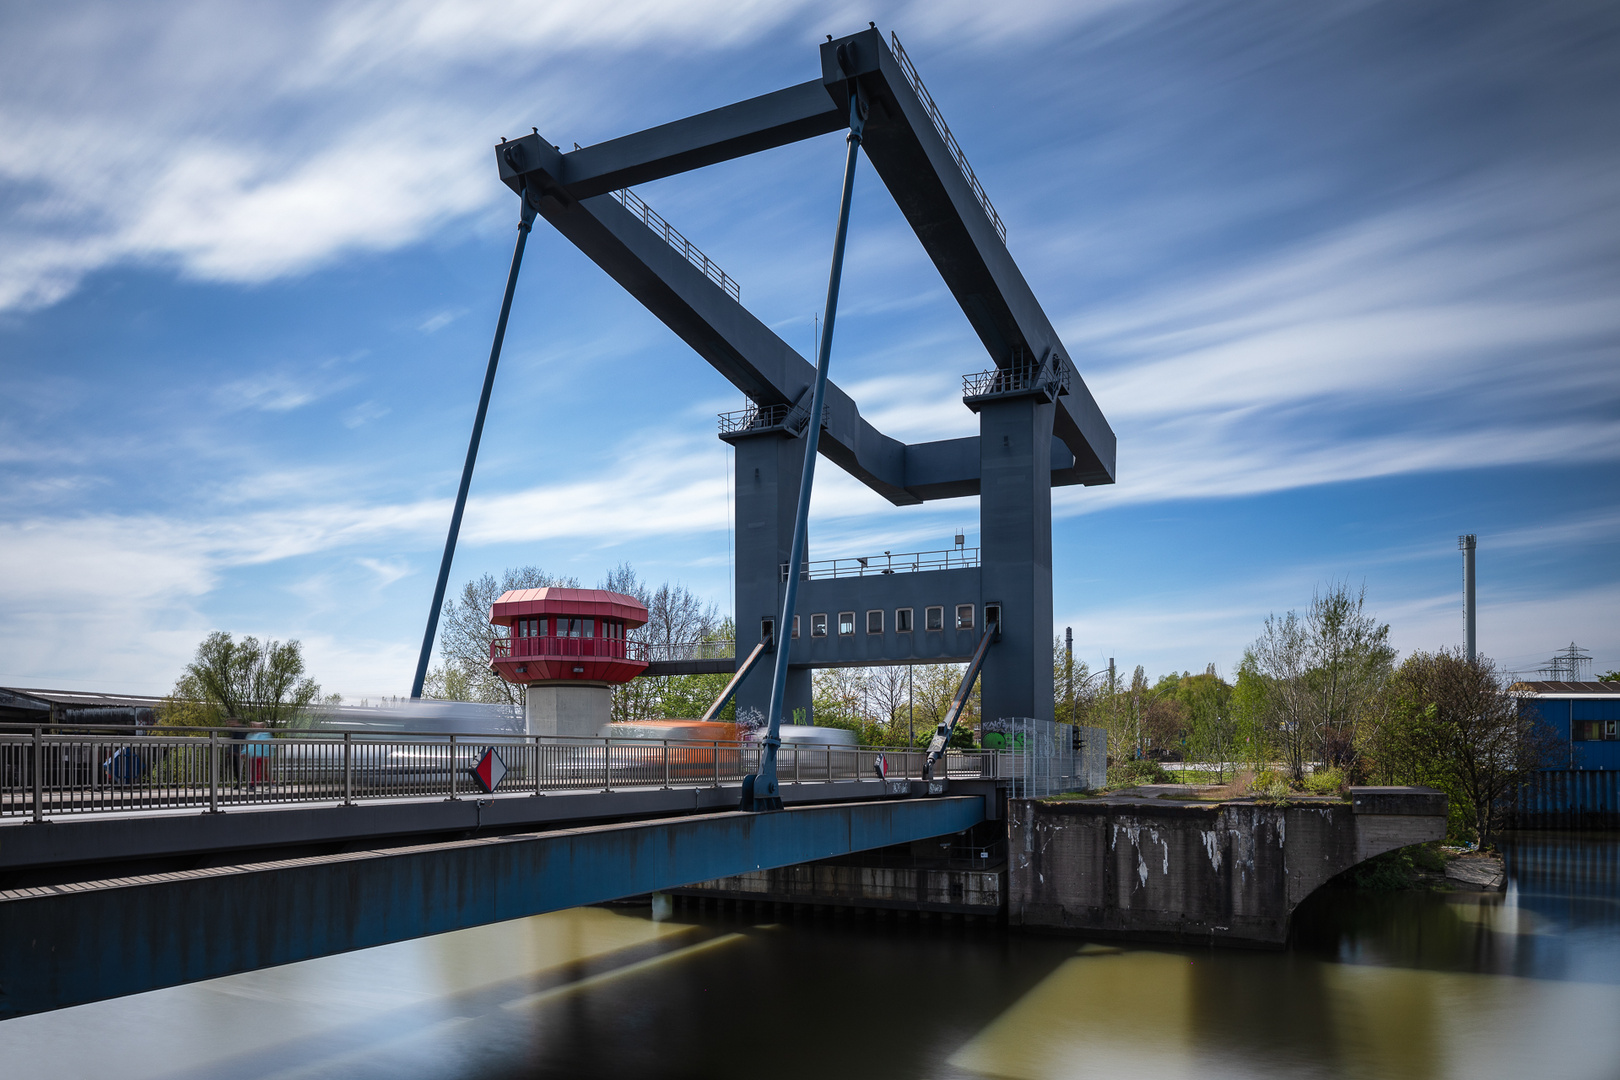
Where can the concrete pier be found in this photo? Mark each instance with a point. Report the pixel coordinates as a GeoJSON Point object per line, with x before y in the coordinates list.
{"type": "Point", "coordinates": [1143, 867]}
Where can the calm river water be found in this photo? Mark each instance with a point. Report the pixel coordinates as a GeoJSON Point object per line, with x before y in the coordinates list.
{"type": "Point", "coordinates": [1400, 985]}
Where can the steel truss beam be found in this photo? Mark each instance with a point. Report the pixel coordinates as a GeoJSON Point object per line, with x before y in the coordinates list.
{"type": "Point", "coordinates": [917, 167]}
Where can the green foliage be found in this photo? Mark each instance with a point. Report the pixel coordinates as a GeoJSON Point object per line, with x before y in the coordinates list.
{"type": "Point", "coordinates": [248, 681]}
{"type": "Point", "coordinates": [1270, 786]}
{"type": "Point", "coordinates": [1325, 782]}
{"type": "Point", "coordinates": [1323, 676]}
{"type": "Point", "coordinates": [1389, 872]}
{"type": "Point", "coordinates": [1427, 857]}
{"type": "Point", "coordinates": [1451, 724]}
{"type": "Point", "coordinates": [1609, 676]}
{"type": "Point", "coordinates": [1135, 773]}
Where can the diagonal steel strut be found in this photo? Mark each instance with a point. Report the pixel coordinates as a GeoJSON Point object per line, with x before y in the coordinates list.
{"type": "Point", "coordinates": [525, 222]}
{"type": "Point", "coordinates": [760, 790]}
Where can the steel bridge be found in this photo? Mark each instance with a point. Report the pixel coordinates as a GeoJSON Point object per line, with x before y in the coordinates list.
{"type": "Point", "coordinates": [1039, 426]}
{"type": "Point", "coordinates": [131, 859]}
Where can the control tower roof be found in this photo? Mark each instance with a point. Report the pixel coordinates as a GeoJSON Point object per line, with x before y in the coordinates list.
{"type": "Point", "coordinates": [558, 601]}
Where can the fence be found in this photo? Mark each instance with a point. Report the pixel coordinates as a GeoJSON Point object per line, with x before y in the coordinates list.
{"type": "Point", "coordinates": [49, 773]}
{"type": "Point", "coordinates": [1050, 758]}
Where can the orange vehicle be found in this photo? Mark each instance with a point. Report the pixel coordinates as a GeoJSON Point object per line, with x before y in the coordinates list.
{"type": "Point", "coordinates": [697, 749]}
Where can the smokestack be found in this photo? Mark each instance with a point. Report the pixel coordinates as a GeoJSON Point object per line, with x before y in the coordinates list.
{"type": "Point", "coordinates": [1467, 543]}
{"type": "Point", "coordinates": [1068, 664]}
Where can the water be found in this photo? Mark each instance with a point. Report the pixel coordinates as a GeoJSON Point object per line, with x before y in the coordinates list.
{"type": "Point", "coordinates": [1388, 986]}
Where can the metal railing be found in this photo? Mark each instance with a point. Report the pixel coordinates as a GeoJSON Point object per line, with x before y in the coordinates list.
{"type": "Point", "coordinates": [764, 417]}
{"type": "Point", "coordinates": [909, 562]}
{"type": "Point", "coordinates": [655, 652]}
{"type": "Point", "coordinates": [910, 71]}
{"type": "Point", "coordinates": [46, 774]}
{"type": "Point", "coordinates": [503, 648]}
{"type": "Point", "coordinates": [1020, 375]}
{"type": "Point", "coordinates": [672, 236]}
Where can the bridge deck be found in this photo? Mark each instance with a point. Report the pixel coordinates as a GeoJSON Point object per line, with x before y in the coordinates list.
{"type": "Point", "coordinates": [88, 940]}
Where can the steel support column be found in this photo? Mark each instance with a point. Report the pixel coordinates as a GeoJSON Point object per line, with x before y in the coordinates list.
{"type": "Point", "coordinates": [525, 222]}
{"type": "Point", "coordinates": [1015, 530]}
{"type": "Point", "coordinates": [760, 790]}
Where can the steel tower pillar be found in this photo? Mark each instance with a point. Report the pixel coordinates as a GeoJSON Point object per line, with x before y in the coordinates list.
{"type": "Point", "coordinates": [769, 464]}
{"type": "Point", "coordinates": [1015, 538]}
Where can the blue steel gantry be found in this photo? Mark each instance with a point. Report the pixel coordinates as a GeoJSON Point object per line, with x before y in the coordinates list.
{"type": "Point", "coordinates": [1038, 425]}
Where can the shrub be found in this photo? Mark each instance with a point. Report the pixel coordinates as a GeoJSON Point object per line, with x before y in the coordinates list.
{"type": "Point", "coordinates": [1388, 872]}
{"type": "Point", "coordinates": [1270, 786]}
{"type": "Point", "coordinates": [1325, 782]}
{"type": "Point", "coordinates": [1133, 773]}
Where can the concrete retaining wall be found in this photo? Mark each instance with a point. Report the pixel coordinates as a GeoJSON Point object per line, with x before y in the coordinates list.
{"type": "Point", "coordinates": [1219, 872]}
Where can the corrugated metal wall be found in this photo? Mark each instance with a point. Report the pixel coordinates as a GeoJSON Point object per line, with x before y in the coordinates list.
{"type": "Point", "coordinates": [1586, 799]}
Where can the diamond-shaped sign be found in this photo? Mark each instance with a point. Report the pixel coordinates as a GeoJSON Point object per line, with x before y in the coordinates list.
{"type": "Point", "coordinates": [489, 770]}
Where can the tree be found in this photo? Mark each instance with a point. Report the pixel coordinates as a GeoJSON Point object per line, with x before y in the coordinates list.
{"type": "Point", "coordinates": [1071, 676]}
{"type": "Point", "coordinates": [465, 635]}
{"type": "Point", "coordinates": [1352, 660]}
{"type": "Point", "coordinates": [1452, 723]}
{"type": "Point", "coordinates": [246, 681]}
{"type": "Point", "coordinates": [1322, 677]}
{"type": "Point", "coordinates": [1609, 676]}
{"type": "Point", "coordinates": [678, 621]}
{"type": "Point", "coordinates": [1212, 724]}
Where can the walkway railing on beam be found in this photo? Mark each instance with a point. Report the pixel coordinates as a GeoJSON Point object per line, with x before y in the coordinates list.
{"type": "Point", "coordinates": [944, 129]}
{"type": "Point", "coordinates": [46, 774]}
{"type": "Point", "coordinates": [962, 558]}
{"type": "Point", "coordinates": [672, 236]}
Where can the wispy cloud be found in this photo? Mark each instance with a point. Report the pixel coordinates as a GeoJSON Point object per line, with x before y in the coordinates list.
{"type": "Point", "coordinates": [1474, 330]}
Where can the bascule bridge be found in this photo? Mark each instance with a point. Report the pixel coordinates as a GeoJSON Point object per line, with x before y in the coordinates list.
{"type": "Point", "coordinates": [1038, 424]}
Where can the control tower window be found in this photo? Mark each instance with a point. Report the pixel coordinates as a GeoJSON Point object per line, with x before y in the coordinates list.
{"type": "Point", "coordinates": [874, 621]}
{"type": "Point", "coordinates": [934, 618]}
{"type": "Point", "coordinates": [964, 616]}
{"type": "Point", "coordinates": [846, 624]}
{"type": "Point", "coordinates": [818, 625]}
{"type": "Point", "coordinates": [902, 620]}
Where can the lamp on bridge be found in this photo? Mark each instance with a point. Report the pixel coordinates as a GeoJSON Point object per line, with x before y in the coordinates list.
{"type": "Point", "coordinates": [568, 647]}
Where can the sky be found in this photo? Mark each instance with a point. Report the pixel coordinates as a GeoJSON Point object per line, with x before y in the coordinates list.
{"type": "Point", "coordinates": [1342, 276]}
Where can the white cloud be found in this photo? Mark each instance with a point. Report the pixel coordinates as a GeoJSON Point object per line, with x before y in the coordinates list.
{"type": "Point", "coordinates": [1468, 331]}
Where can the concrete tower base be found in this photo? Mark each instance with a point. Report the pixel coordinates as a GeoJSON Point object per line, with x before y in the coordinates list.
{"type": "Point", "coordinates": [571, 709]}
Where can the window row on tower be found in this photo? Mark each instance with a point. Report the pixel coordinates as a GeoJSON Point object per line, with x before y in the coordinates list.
{"type": "Point", "coordinates": [904, 621]}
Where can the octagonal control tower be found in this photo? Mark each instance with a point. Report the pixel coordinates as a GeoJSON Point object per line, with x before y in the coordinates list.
{"type": "Point", "coordinates": [567, 646]}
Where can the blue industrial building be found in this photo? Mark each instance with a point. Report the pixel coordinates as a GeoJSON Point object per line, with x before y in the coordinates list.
{"type": "Point", "coordinates": [1585, 791]}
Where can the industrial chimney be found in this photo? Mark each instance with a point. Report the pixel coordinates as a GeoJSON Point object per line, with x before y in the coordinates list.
{"type": "Point", "coordinates": [1466, 543]}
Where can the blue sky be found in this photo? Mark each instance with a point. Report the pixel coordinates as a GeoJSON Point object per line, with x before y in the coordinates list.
{"type": "Point", "coordinates": [1342, 276]}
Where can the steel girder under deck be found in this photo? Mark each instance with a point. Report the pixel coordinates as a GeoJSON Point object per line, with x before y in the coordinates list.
{"type": "Point", "coordinates": [917, 167]}
{"type": "Point", "coordinates": [71, 944]}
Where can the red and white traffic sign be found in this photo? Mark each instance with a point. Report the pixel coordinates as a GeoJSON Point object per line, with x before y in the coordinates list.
{"type": "Point", "coordinates": [489, 770]}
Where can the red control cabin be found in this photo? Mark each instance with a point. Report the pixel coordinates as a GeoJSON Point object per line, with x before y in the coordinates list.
{"type": "Point", "coordinates": [566, 635]}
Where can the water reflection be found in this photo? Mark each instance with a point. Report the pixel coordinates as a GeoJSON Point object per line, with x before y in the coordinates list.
{"type": "Point", "coordinates": [1404, 985]}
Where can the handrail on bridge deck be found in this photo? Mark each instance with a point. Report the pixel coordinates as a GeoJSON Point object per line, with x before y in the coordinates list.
{"type": "Point", "coordinates": [50, 772]}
